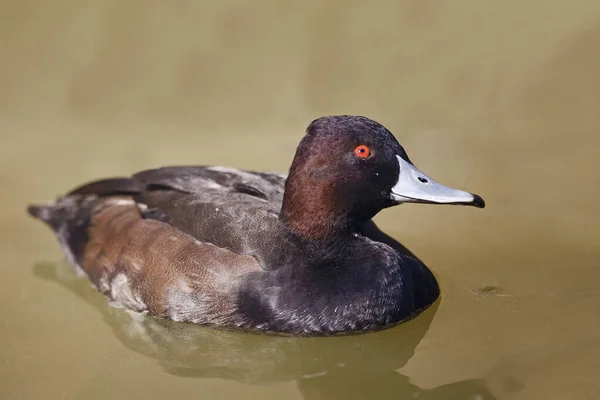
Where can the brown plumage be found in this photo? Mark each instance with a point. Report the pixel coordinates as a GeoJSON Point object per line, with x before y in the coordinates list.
{"type": "Point", "coordinates": [173, 275]}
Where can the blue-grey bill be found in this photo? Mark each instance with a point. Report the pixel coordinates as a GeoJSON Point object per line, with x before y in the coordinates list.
{"type": "Point", "coordinates": [413, 186]}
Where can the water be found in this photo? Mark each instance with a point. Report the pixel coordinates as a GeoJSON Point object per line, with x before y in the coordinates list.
{"type": "Point", "coordinates": [498, 99]}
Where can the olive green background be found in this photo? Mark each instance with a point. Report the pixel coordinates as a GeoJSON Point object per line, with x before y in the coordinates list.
{"type": "Point", "coordinates": [498, 98]}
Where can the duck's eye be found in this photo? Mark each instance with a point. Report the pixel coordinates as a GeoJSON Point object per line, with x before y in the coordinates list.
{"type": "Point", "coordinates": [362, 151]}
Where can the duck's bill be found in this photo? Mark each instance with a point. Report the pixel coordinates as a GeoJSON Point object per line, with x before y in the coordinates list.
{"type": "Point", "coordinates": [413, 186]}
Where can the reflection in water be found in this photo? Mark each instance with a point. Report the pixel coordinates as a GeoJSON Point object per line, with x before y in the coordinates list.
{"type": "Point", "coordinates": [344, 367]}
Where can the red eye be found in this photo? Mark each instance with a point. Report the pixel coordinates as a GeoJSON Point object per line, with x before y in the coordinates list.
{"type": "Point", "coordinates": [362, 151]}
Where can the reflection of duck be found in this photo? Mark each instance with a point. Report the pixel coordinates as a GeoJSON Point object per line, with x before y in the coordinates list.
{"type": "Point", "coordinates": [345, 367]}
{"type": "Point", "coordinates": [214, 245]}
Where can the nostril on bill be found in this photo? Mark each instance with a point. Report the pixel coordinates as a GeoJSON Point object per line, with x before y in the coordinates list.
{"type": "Point", "coordinates": [423, 180]}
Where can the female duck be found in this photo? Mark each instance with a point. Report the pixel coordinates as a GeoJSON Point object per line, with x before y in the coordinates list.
{"type": "Point", "coordinates": [221, 246]}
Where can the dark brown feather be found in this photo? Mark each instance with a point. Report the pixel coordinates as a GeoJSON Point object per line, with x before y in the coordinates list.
{"type": "Point", "coordinates": [147, 265]}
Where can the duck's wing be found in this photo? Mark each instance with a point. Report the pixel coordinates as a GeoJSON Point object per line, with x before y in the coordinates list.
{"type": "Point", "coordinates": [171, 241]}
{"type": "Point", "coordinates": [144, 264]}
{"type": "Point", "coordinates": [230, 208]}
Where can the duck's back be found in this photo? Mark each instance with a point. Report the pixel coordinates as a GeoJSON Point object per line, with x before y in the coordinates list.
{"type": "Point", "coordinates": [172, 241]}
{"type": "Point", "coordinates": [230, 208]}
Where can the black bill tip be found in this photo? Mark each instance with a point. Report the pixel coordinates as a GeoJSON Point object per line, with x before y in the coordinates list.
{"type": "Point", "coordinates": [478, 201]}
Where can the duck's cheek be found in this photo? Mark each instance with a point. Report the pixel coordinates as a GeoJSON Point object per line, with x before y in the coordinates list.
{"type": "Point", "coordinates": [413, 186]}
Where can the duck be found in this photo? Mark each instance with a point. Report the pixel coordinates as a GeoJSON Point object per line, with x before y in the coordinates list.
{"type": "Point", "coordinates": [238, 249]}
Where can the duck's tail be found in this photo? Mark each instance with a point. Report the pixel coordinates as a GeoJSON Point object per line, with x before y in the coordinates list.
{"type": "Point", "coordinates": [65, 210]}
{"type": "Point", "coordinates": [72, 204]}
{"type": "Point", "coordinates": [68, 217]}
{"type": "Point", "coordinates": [45, 213]}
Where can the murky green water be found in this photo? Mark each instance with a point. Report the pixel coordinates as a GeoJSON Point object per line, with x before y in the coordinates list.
{"type": "Point", "coordinates": [502, 99]}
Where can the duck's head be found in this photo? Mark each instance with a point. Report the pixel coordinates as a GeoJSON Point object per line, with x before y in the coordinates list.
{"type": "Point", "coordinates": [348, 168]}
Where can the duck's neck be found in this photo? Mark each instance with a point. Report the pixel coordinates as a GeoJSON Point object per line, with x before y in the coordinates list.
{"type": "Point", "coordinates": [318, 211]}
{"type": "Point", "coordinates": [311, 214]}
